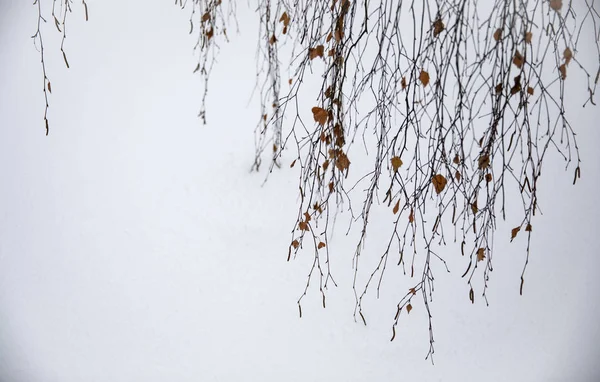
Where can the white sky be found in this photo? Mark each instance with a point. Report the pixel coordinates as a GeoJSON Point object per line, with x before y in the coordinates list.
{"type": "Point", "coordinates": [136, 246]}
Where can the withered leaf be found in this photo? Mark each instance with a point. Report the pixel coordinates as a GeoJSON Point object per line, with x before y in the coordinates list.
{"type": "Point", "coordinates": [498, 88]}
{"type": "Point", "coordinates": [488, 177]}
{"type": "Point", "coordinates": [529, 90]}
{"type": "Point", "coordinates": [528, 228]}
{"type": "Point", "coordinates": [342, 162]}
{"type": "Point", "coordinates": [474, 207]}
{"type": "Point", "coordinates": [403, 83]}
{"type": "Point", "coordinates": [411, 217]}
{"type": "Point", "coordinates": [457, 176]}
{"type": "Point", "coordinates": [568, 55]}
{"type": "Point", "coordinates": [321, 245]}
{"type": "Point", "coordinates": [438, 27]}
{"type": "Point", "coordinates": [396, 207]}
{"type": "Point", "coordinates": [307, 217]}
{"type": "Point", "coordinates": [484, 161]}
{"type": "Point", "coordinates": [316, 52]}
{"type": "Point", "coordinates": [439, 182]}
{"type": "Point", "coordinates": [498, 34]}
{"type": "Point", "coordinates": [273, 39]}
{"type": "Point", "coordinates": [480, 254]}
{"type": "Point", "coordinates": [396, 163]}
{"type": "Point", "coordinates": [320, 115]}
{"type": "Point", "coordinates": [424, 77]}
{"type": "Point", "coordinates": [528, 37]}
{"type": "Point", "coordinates": [556, 5]}
{"type": "Point", "coordinates": [295, 244]}
{"type": "Point", "coordinates": [293, 163]}
{"type": "Point", "coordinates": [49, 87]}
{"type": "Point", "coordinates": [563, 71]}
{"type": "Point", "coordinates": [514, 232]}
{"type": "Point", "coordinates": [456, 159]}
{"type": "Point", "coordinates": [408, 308]}
{"type": "Point", "coordinates": [518, 59]}
{"type": "Point", "coordinates": [285, 19]}
{"type": "Point", "coordinates": [206, 17]}
{"type": "Point", "coordinates": [303, 226]}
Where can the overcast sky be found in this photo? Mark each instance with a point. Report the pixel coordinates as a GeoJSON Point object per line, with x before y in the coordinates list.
{"type": "Point", "coordinates": [135, 245]}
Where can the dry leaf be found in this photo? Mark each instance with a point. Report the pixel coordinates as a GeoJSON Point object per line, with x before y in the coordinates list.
{"type": "Point", "coordinates": [456, 159]}
{"type": "Point", "coordinates": [290, 81]}
{"type": "Point", "coordinates": [205, 17]}
{"type": "Point", "coordinates": [438, 27]}
{"type": "Point", "coordinates": [403, 83]}
{"type": "Point", "coordinates": [439, 182]}
{"type": "Point", "coordinates": [563, 71]}
{"type": "Point", "coordinates": [411, 216]}
{"type": "Point", "coordinates": [49, 87]}
{"type": "Point", "coordinates": [498, 88]}
{"type": "Point", "coordinates": [320, 115]}
{"type": "Point", "coordinates": [457, 176]}
{"type": "Point", "coordinates": [424, 77]}
{"type": "Point", "coordinates": [514, 232]}
{"type": "Point", "coordinates": [321, 245]}
{"type": "Point", "coordinates": [342, 162]}
{"type": "Point", "coordinates": [528, 37]}
{"type": "Point", "coordinates": [556, 5]}
{"type": "Point", "coordinates": [472, 296]}
{"type": "Point", "coordinates": [488, 177]}
{"type": "Point", "coordinates": [480, 254]}
{"type": "Point", "coordinates": [293, 163]}
{"type": "Point", "coordinates": [474, 207]}
{"type": "Point", "coordinates": [529, 90]}
{"type": "Point", "coordinates": [484, 161]}
{"type": "Point", "coordinates": [518, 59]}
{"type": "Point", "coordinates": [307, 217]}
{"type": "Point", "coordinates": [498, 34]}
{"type": "Point", "coordinates": [528, 228]}
{"type": "Point", "coordinates": [396, 163]}
{"type": "Point", "coordinates": [568, 55]}
{"type": "Point", "coordinates": [408, 308]}
{"type": "Point", "coordinates": [273, 39]}
{"type": "Point", "coordinates": [396, 207]}
{"type": "Point", "coordinates": [285, 19]}
{"type": "Point", "coordinates": [295, 244]}
{"type": "Point", "coordinates": [303, 226]}
{"type": "Point", "coordinates": [316, 52]}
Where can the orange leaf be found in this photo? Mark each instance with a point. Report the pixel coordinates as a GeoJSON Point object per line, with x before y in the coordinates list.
{"type": "Point", "coordinates": [439, 182]}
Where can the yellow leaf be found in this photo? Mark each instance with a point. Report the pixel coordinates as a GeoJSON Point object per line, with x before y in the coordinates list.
{"type": "Point", "coordinates": [320, 115]}
{"type": "Point", "coordinates": [396, 207]}
{"type": "Point", "coordinates": [424, 77]}
{"type": "Point", "coordinates": [396, 163]}
{"type": "Point", "coordinates": [439, 182]}
{"type": "Point", "coordinates": [480, 254]}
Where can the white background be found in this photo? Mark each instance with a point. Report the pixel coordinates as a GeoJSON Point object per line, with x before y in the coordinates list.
{"type": "Point", "coordinates": [135, 245]}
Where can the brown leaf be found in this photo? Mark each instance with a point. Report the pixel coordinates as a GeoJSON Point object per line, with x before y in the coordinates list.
{"type": "Point", "coordinates": [320, 115]}
{"type": "Point", "coordinates": [498, 88]}
{"type": "Point", "coordinates": [472, 296]}
{"type": "Point", "coordinates": [408, 308]}
{"type": "Point", "coordinates": [568, 55]}
{"type": "Point", "coordinates": [206, 17]}
{"type": "Point", "coordinates": [424, 77]}
{"type": "Point", "coordinates": [403, 83]}
{"type": "Point", "coordinates": [321, 245]}
{"type": "Point", "coordinates": [293, 163]}
{"type": "Point", "coordinates": [488, 177]}
{"type": "Point", "coordinates": [396, 207]}
{"type": "Point", "coordinates": [514, 232]}
{"type": "Point", "coordinates": [285, 19]}
{"type": "Point", "coordinates": [456, 159]}
{"type": "Point", "coordinates": [49, 87]}
{"type": "Point", "coordinates": [529, 90]}
{"type": "Point", "coordinates": [438, 27]}
{"type": "Point", "coordinates": [325, 165]}
{"type": "Point", "coordinates": [528, 228]}
{"type": "Point", "coordinates": [331, 187]}
{"type": "Point", "coordinates": [303, 226]}
{"type": "Point", "coordinates": [316, 52]}
{"type": "Point", "coordinates": [518, 59]}
{"type": "Point", "coordinates": [290, 81]}
{"type": "Point", "coordinates": [439, 182]}
{"type": "Point", "coordinates": [295, 244]}
{"type": "Point", "coordinates": [210, 33]}
{"type": "Point", "coordinates": [396, 163]}
{"type": "Point", "coordinates": [480, 254]}
{"type": "Point", "coordinates": [484, 161]}
{"type": "Point", "coordinates": [498, 34]}
{"type": "Point", "coordinates": [307, 217]}
{"type": "Point", "coordinates": [411, 216]}
{"type": "Point", "coordinates": [556, 5]}
{"type": "Point", "coordinates": [457, 176]}
{"type": "Point", "coordinates": [273, 39]}
{"type": "Point", "coordinates": [563, 71]}
{"type": "Point", "coordinates": [528, 37]}
{"type": "Point", "coordinates": [342, 162]}
{"type": "Point", "coordinates": [412, 291]}
{"type": "Point", "coordinates": [474, 207]}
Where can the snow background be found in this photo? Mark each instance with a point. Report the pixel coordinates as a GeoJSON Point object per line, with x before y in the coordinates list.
{"type": "Point", "coordinates": [135, 245]}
